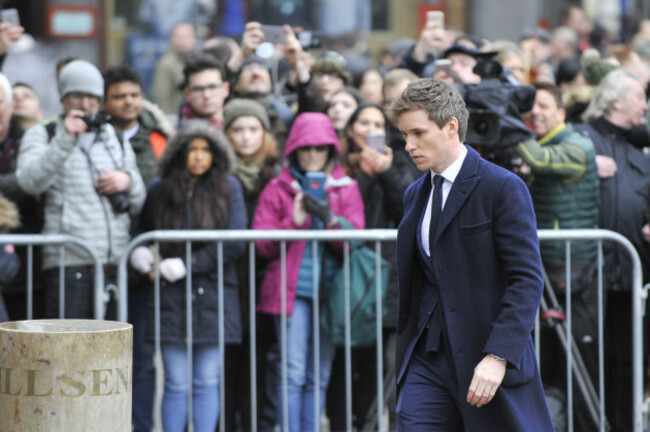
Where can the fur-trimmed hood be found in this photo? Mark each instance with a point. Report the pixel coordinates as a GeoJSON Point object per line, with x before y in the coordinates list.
{"type": "Point", "coordinates": [224, 158]}
{"type": "Point", "coordinates": [9, 216]}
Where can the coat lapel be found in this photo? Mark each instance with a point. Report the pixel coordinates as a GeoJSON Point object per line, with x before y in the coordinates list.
{"type": "Point", "coordinates": [462, 188]}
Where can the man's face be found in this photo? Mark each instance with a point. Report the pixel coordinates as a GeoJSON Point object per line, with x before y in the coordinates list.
{"type": "Point", "coordinates": [630, 109]}
{"type": "Point", "coordinates": [392, 92]}
{"type": "Point", "coordinates": [545, 115]}
{"type": "Point", "coordinates": [26, 103]}
{"type": "Point", "coordinates": [6, 109]}
{"type": "Point", "coordinates": [462, 65]}
{"type": "Point", "coordinates": [85, 102]}
{"type": "Point", "coordinates": [183, 38]}
{"type": "Point", "coordinates": [329, 83]}
{"type": "Point", "coordinates": [429, 145]}
{"type": "Point", "coordinates": [123, 101]}
{"type": "Point", "coordinates": [206, 92]}
{"type": "Point", "coordinates": [254, 80]}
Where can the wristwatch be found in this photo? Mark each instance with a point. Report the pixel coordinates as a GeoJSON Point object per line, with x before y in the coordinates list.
{"type": "Point", "coordinates": [496, 357]}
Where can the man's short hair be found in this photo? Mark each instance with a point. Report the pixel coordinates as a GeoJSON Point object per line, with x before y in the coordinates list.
{"type": "Point", "coordinates": [199, 63]}
{"type": "Point", "coordinates": [440, 100]}
{"type": "Point", "coordinates": [398, 76]}
{"type": "Point", "coordinates": [552, 89]}
{"type": "Point", "coordinates": [120, 74]}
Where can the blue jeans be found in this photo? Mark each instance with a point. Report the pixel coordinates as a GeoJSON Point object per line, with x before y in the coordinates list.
{"type": "Point", "coordinates": [205, 387]}
{"type": "Point", "coordinates": [300, 368]}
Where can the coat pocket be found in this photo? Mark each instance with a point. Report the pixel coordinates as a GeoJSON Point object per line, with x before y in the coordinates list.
{"type": "Point", "coordinates": [474, 229]}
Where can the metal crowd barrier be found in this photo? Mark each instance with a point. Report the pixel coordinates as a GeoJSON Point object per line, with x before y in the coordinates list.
{"type": "Point", "coordinates": [31, 240]}
{"type": "Point", "coordinates": [377, 236]}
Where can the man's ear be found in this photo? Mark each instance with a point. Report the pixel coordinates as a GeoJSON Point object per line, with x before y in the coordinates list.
{"type": "Point", "coordinates": [451, 127]}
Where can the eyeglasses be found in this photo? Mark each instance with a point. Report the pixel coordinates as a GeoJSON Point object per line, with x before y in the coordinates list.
{"type": "Point", "coordinates": [319, 148]}
{"type": "Point", "coordinates": [202, 89]}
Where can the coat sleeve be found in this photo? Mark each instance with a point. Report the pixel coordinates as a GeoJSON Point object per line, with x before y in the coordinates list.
{"type": "Point", "coordinates": [517, 248]}
{"type": "Point", "coordinates": [136, 191]}
{"type": "Point", "coordinates": [40, 161]}
{"type": "Point", "coordinates": [394, 182]}
{"type": "Point", "coordinates": [565, 161]}
{"type": "Point", "coordinates": [205, 259]}
{"type": "Point", "coordinates": [274, 213]}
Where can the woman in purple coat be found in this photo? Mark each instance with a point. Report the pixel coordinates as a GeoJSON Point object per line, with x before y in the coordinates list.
{"type": "Point", "coordinates": [290, 201]}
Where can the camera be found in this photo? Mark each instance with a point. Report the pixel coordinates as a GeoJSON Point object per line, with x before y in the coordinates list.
{"type": "Point", "coordinates": [495, 106]}
{"type": "Point", "coordinates": [119, 202]}
{"type": "Point", "coordinates": [96, 121]}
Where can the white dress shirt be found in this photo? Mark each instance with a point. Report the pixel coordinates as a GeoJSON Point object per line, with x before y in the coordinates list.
{"type": "Point", "coordinates": [449, 176]}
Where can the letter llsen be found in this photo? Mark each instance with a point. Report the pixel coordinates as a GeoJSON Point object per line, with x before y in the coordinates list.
{"type": "Point", "coordinates": [68, 384]}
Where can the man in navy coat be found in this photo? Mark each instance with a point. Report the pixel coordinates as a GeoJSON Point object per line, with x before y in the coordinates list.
{"type": "Point", "coordinates": [470, 280]}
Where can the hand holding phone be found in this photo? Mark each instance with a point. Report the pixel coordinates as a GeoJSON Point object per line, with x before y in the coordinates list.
{"type": "Point", "coordinates": [377, 141]}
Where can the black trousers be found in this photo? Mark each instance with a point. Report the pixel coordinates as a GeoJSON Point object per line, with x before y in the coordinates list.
{"type": "Point", "coordinates": [79, 293]}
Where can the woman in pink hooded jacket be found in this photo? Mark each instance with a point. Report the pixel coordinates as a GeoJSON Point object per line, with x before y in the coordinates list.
{"type": "Point", "coordinates": [312, 152]}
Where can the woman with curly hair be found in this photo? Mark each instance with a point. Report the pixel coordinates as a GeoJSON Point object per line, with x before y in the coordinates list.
{"type": "Point", "coordinates": [196, 190]}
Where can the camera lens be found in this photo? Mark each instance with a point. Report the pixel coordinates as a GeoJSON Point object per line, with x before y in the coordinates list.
{"type": "Point", "coordinates": [481, 127]}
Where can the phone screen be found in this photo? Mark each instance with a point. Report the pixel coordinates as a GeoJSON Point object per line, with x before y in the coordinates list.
{"type": "Point", "coordinates": [273, 34]}
{"type": "Point", "coordinates": [436, 17]}
{"type": "Point", "coordinates": [377, 141]}
{"type": "Point", "coordinates": [314, 184]}
{"type": "Point", "coordinates": [10, 16]}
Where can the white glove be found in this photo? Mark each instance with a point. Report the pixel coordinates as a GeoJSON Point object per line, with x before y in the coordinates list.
{"type": "Point", "coordinates": [142, 259]}
{"type": "Point", "coordinates": [172, 269]}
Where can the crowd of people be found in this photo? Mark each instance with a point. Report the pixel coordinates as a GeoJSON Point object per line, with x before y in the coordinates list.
{"type": "Point", "coordinates": [232, 138]}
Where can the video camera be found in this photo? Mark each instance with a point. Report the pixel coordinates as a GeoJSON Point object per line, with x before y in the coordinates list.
{"type": "Point", "coordinates": [495, 106]}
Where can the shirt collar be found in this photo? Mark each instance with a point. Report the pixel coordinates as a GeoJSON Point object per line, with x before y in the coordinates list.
{"type": "Point", "coordinates": [452, 170]}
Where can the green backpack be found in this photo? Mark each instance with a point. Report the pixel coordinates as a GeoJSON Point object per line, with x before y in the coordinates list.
{"type": "Point", "coordinates": [363, 299]}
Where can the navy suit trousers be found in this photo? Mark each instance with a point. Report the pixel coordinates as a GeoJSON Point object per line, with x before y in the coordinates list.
{"type": "Point", "coordinates": [426, 400]}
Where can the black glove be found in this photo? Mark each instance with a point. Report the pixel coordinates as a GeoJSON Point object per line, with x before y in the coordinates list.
{"type": "Point", "coordinates": [319, 208]}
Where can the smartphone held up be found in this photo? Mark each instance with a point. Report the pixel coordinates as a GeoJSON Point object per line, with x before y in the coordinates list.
{"type": "Point", "coordinates": [10, 16]}
{"type": "Point", "coordinates": [377, 141]}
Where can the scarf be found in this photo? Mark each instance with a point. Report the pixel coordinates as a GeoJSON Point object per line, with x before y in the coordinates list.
{"type": "Point", "coordinates": [248, 174]}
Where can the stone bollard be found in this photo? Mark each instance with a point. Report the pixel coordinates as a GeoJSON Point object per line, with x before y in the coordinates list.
{"type": "Point", "coordinates": [65, 376]}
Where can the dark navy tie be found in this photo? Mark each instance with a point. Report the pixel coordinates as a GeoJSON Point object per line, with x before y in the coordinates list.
{"type": "Point", "coordinates": [436, 210]}
{"type": "Point", "coordinates": [434, 326]}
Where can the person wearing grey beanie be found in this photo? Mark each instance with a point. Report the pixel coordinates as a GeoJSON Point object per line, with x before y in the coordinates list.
{"type": "Point", "coordinates": [91, 186]}
{"type": "Point", "coordinates": [245, 107]}
{"type": "Point", "coordinates": [81, 76]}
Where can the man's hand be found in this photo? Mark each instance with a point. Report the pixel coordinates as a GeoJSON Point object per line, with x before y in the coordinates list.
{"type": "Point", "coordinates": [8, 36]}
{"type": "Point", "coordinates": [112, 182]}
{"type": "Point", "coordinates": [299, 60]}
{"type": "Point", "coordinates": [606, 166]}
{"type": "Point", "coordinates": [250, 40]}
{"type": "Point", "coordinates": [73, 123]}
{"type": "Point", "coordinates": [431, 41]}
{"type": "Point", "coordinates": [645, 232]}
{"type": "Point", "coordinates": [487, 378]}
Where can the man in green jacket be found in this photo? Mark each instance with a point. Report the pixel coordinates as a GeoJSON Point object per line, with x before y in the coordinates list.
{"type": "Point", "coordinates": [140, 122]}
{"type": "Point", "coordinates": [564, 186]}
